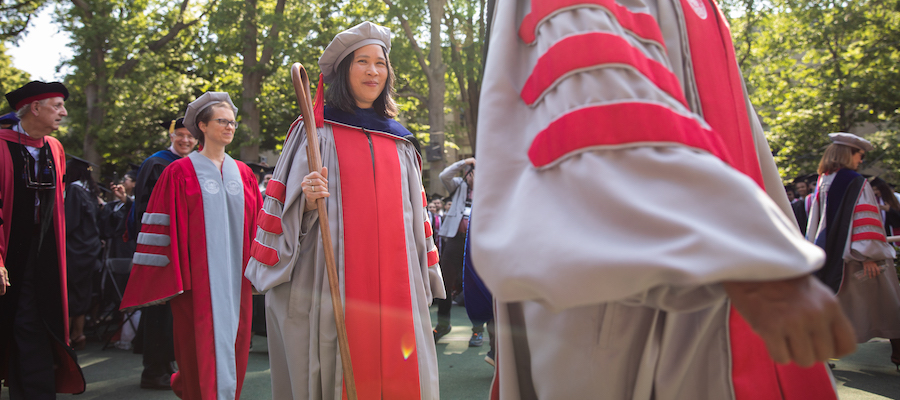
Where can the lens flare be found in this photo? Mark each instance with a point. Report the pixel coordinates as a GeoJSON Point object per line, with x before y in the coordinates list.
{"type": "Point", "coordinates": [408, 345]}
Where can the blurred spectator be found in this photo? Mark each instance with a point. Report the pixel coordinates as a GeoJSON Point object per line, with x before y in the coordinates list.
{"type": "Point", "coordinates": [454, 225]}
{"type": "Point", "coordinates": [792, 197]}
{"type": "Point", "coordinates": [889, 205]}
{"type": "Point", "coordinates": [8, 120]}
{"type": "Point", "coordinates": [800, 205]}
{"type": "Point", "coordinates": [82, 244]}
{"type": "Point", "coordinates": [157, 344]}
{"type": "Point", "coordinates": [119, 251]}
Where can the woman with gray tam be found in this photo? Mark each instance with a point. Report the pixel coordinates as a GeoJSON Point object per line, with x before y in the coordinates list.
{"type": "Point", "coordinates": [845, 221]}
{"type": "Point", "coordinates": [192, 251]}
{"type": "Point", "coordinates": [386, 258]}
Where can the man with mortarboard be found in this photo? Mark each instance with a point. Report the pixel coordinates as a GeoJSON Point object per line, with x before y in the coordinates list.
{"type": "Point", "coordinates": [36, 361]}
{"type": "Point", "coordinates": [156, 321]}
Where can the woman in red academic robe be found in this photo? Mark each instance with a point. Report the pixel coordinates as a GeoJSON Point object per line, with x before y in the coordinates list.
{"type": "Point", "coordinates": [192, 251]}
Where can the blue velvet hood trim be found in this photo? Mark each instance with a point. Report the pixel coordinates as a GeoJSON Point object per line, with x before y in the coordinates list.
{"type": "Point", "coordinates": [366, 118]}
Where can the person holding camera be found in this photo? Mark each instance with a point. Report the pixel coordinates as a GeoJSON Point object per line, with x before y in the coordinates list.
{"type": "Point", "coordinates": [453, 230]}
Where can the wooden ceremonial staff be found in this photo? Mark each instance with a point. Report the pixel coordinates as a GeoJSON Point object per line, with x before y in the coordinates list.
{"type": "Point", "coordinates": [301, 88]}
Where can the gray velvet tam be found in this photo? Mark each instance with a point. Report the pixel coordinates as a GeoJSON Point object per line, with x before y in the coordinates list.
{"type": "Point", "coordinates": [203, 102]}
{"type": "Point", "coordinates": [347, 41]}
{"type": "Point", "coordinates": [849, 139]}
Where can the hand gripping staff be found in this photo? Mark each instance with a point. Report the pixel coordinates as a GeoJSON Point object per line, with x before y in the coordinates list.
{"type": "Point", "coordinates": [300, 79]}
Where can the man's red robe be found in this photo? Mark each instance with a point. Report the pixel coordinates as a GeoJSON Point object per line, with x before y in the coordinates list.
{"type": "Point", "coordinates": [176, 212]}
{"type": "Point", "coordinates": [69, 378]}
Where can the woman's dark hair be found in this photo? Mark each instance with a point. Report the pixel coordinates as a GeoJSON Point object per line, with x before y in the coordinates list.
{"type": "Point", "coordinates": [79, 171]}
{"type": "Point", "coordinates": [887, 194]}
{"type": "Point", "coordinates": [204, 116]}
{"type": "Point", "coordinates": [338, 94]}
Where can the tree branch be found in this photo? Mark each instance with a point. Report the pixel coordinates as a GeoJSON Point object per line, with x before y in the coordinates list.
{"type": "Point", "coordinates": [88, 14]}
{"type": "Point", "coordinates": [158, 44]}
{"type": "Point", "coordinates": [420, 55]}
{"type": "Point", "coordinates": [16, 6]}
{"type": "Point", "coordinates": [274, 31]}
{"type": "Point", "coordinates": [407, 91]}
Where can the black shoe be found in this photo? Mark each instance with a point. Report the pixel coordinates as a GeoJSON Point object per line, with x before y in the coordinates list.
{"type": "Point", "coordinates": [477, 339]}
{"type": "Point", "coordinates": [489, 358]}
{"type": "Point", "coordinates": [440, 331]}
{"type": "Point", "coordinates": [159, 382]}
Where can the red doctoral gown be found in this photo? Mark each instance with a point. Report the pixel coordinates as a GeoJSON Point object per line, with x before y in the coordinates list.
{"type": "Point", "coordinates": [177, 249]}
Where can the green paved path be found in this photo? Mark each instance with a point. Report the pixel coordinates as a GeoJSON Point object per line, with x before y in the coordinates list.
{"type": "Point", "coordinates": [115, 374]}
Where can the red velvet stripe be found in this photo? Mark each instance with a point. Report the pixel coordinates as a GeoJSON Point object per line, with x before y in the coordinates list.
{"type": "Point", "coordinates": [38, 97]}
{"type": "Point", "coordinates": [754, 374]}
{"type": "Point", "coordinates": [428, 231]}
{"type": "Point", "coordinates": [720, 85]}
{"type": "Point", "coordinates": [424, 199]}
{"type": "Point", "coordinates": [399, 359]}
{"type": "Point", "coordinates": [867, 222]}
{"type": "Point", "coordinates": [263, 253]}
{"type": "Point", "coordinates": [868, 236]}
{"type": "Point", "coordinates": [269, 222]}
{"type": "Point", "coordinates": [276, 190]}
{"type": "Point", "coordinates": [568, 55]}
{"type": "Point", "coordinates": [361, 286]}
{"type": "Point", "coordinates": [642, 25]}
{"type": "Point", "coordinates": [379, 308]}
{"type": "Point", "coordinates": [633, 122]}
{"type": "Point", "coordinates": [866, 208]}
{"type": "Point", "coordinates": [433, 257]}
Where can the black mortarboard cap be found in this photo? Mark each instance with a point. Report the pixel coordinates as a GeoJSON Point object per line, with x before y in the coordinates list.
{"type": "Point", "coordinates": [260, 169]}
{"type": "Point", "coordinates": [34, 91]}
{"type": "Point", "coordinates": [10, 118]}
{"type": "Point", "coordinates": [179, 123]}
{"type": "Point", "coordinates": [133, 166]}
{"type": "Point", "coordinates": [79, 159]}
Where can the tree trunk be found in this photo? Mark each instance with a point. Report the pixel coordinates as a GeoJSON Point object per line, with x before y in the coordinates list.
{"type": "Point", "coordinates": [95, 99]}
{"type": "Point", "coordinates": [251, 83]}
{"type": "Point", "coordinates": [436, 87]}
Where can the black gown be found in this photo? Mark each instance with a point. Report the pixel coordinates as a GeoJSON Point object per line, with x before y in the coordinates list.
{"type": "Point", "coordinates": [82, 247]}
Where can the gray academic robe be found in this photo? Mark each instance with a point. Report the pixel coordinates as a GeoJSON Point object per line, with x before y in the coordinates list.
{"type": "Point", "coordinates": [303, 350]}
{"type": "Point", "coordinates": [871, 304]}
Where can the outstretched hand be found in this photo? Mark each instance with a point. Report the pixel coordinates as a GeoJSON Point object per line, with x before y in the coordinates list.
{"type": "Point", "coordinates": [799, 319]}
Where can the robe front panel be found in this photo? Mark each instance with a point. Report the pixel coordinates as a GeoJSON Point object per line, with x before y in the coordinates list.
{"type": "Point", "coordinates": [379, 314]}
{"type": "Point", "coordinates": [223, 199]}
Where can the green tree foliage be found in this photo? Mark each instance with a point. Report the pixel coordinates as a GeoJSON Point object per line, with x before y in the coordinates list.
{"type": "Point", "coordinates": [821, 66]}
{"type": "Point", "coordinates": [132, 69]}
{"type": "Point", "coordinates": [11, 77]}
{"type": "Point", "coordinates": [15, 16]}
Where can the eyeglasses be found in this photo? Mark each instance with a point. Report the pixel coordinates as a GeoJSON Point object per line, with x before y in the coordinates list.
{"type": "Point", "coordinates": [225, 122]}
{"type": "Point", "coordinates": [183, 137]}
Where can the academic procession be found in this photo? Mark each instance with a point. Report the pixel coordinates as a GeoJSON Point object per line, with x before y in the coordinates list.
{"type": "Point", "coordinates": [633, 234]}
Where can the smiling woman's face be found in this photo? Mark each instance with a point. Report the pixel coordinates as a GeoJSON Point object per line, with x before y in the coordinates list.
{"type": "Point", "coordinates": [368, 74]}
{"type": "Point", "coordinates": [216, 131]}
